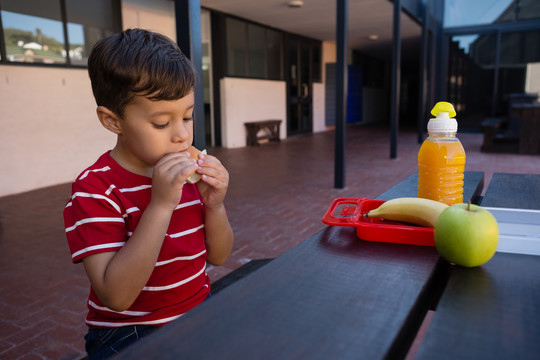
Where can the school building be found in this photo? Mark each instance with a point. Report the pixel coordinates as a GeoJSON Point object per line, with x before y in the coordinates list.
{"type": "Point", "coordinates": [261, 60]}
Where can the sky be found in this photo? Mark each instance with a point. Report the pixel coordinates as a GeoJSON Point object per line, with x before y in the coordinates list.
{"type": "Point", "coordinates": [50, 28]}
{"type": "Point", "coordinates": [472, 12]}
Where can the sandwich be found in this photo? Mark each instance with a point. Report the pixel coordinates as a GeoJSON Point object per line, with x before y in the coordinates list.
{"type": "Point", "coordinates": [194, 154]}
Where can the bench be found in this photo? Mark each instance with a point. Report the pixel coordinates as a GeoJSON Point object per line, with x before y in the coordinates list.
{"type": "Point", "coordinates": [262, 130]}
{"type": "Point", "coordinates": [491, 127]}
{"type": "Point", "coordinates": [497, 138]}
{"type": "Point", "coordinates": [529, 129]}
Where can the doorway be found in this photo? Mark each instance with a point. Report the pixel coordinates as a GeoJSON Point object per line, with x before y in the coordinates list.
{"type": "Point", "coordinates": [302, 68]}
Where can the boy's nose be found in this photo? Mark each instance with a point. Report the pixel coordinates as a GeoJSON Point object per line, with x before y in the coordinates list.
{"type": "Point", "coordinates": [180, 133]}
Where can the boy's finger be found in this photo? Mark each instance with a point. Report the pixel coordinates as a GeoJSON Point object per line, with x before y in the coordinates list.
{"type": "Point", "coordinates": [210, 163]}
{"type": "Point", "coordinates": [170, 160]}
{"type": "Point", "coordinates": [218, 174]}
{"type": "Point", "coordinates": [214, 182]}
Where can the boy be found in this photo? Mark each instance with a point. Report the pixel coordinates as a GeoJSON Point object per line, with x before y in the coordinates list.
{"type": "Point", "coordinates": [143, 234]}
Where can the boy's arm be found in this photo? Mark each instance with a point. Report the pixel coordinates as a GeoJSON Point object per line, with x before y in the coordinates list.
{"type": "Point", "coordinates": [219, 235]}
{"type": "Point", "coordinates": [119, 277]}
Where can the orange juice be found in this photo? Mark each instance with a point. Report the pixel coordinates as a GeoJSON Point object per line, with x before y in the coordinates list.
{"type": "Point", "coordinates": [441, 163]}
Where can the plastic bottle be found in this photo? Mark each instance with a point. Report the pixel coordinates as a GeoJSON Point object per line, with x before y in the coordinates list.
{"type": "Point", "coordinates": [441, 159]}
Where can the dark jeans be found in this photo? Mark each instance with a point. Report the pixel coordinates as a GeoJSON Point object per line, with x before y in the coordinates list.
{"type": "Point", "coordinates": [104, 343]}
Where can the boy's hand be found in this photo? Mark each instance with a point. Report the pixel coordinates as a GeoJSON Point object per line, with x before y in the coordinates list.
{"type": "Point", "coordinates": [214, 182]}
{"type": "Point", "coordinates": [168, 178]}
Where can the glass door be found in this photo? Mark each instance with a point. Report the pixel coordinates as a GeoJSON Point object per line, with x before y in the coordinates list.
{"type": "Point", "coordinates": [299, 86]}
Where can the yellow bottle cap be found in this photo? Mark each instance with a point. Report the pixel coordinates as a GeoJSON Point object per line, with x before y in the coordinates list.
{"type": "Point", "coordinates": [443, 106]}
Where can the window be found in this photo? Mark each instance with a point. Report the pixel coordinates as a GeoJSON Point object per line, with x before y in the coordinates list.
{"type": "Point", "coordinates": [236, 47]}
{"type": "Point", "coordinates": [256, 47]}
{"type": "Point", "coordinates": [58, 32]}
{"type": "Point", "coordinates": [253, 50]}
{"type": "Point", "coordinates": [274, 49]}
{"type": "Point", "coordinates": [89, 21]}
{"type": "Point", "coordinates": [518, 49]}
{"type": "Point", "coordinates": [519, 63]}
{"type": "Point", "coordinates": [483, 73]}
{"type": "Point", "coordinates": [33, 34]}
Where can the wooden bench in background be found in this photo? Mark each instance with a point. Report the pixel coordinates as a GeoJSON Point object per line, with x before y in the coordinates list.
{"type": "Point", "coordinates": [529, 131]}
{"type": "Point", "coordinates": [497, 138]}
{"type": "Point", "coordinates": [262, 130]}
{"type": "Point", "coordinates": [490, 127]}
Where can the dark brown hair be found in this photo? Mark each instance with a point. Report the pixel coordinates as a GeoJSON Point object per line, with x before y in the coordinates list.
{"type": "Point", "coordinates": [138, 62]}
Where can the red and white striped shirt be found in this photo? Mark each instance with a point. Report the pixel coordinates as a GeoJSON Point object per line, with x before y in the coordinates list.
{"type": "Point", "coordinates": [106, 204]}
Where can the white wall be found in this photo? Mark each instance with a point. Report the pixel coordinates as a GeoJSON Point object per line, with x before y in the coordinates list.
{"type": "Point", "coordinates": [244, 100]}
{"type": "Point", "coordinates": [50, 131]}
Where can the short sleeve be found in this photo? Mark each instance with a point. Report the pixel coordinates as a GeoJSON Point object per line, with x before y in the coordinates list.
{"type": "Point", "coordinates": [94, 222]}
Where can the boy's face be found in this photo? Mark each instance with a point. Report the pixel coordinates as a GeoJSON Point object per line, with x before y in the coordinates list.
{"type": "Point", "coordinates": [152, 129]}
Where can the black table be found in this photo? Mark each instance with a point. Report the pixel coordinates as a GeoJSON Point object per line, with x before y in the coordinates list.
{"type": "Point", "coordinates": [331, 297]}
{"type": "Point", "coordinates": [513, 191]}
{"type": "Point", "coordinates": [488, 312]}
{"type": "Point", "coordinates": [327, 298]}
{"type": "Point", "coordinates": [493, 311]}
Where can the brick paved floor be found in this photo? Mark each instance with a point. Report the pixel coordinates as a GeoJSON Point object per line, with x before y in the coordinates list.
{"type": "Point", "coordinates": [278, 194]}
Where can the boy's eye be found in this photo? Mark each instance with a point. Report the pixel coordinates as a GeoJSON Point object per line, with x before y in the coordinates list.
{"type": "Point", "coordinates": [188, 119]}
{"type": "Point", "coordinates": [161, 126]}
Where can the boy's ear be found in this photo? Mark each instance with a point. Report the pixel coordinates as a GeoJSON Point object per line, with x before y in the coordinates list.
{"type": "Point", "coordinates": [109, 120]}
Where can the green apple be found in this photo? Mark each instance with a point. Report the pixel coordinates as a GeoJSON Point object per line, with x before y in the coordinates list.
{"type": "Point", "coordinates": [466, 235]}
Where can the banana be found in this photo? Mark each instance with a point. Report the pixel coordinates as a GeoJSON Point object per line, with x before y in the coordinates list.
{"type": "Point", "coordinates": [417, 211]}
